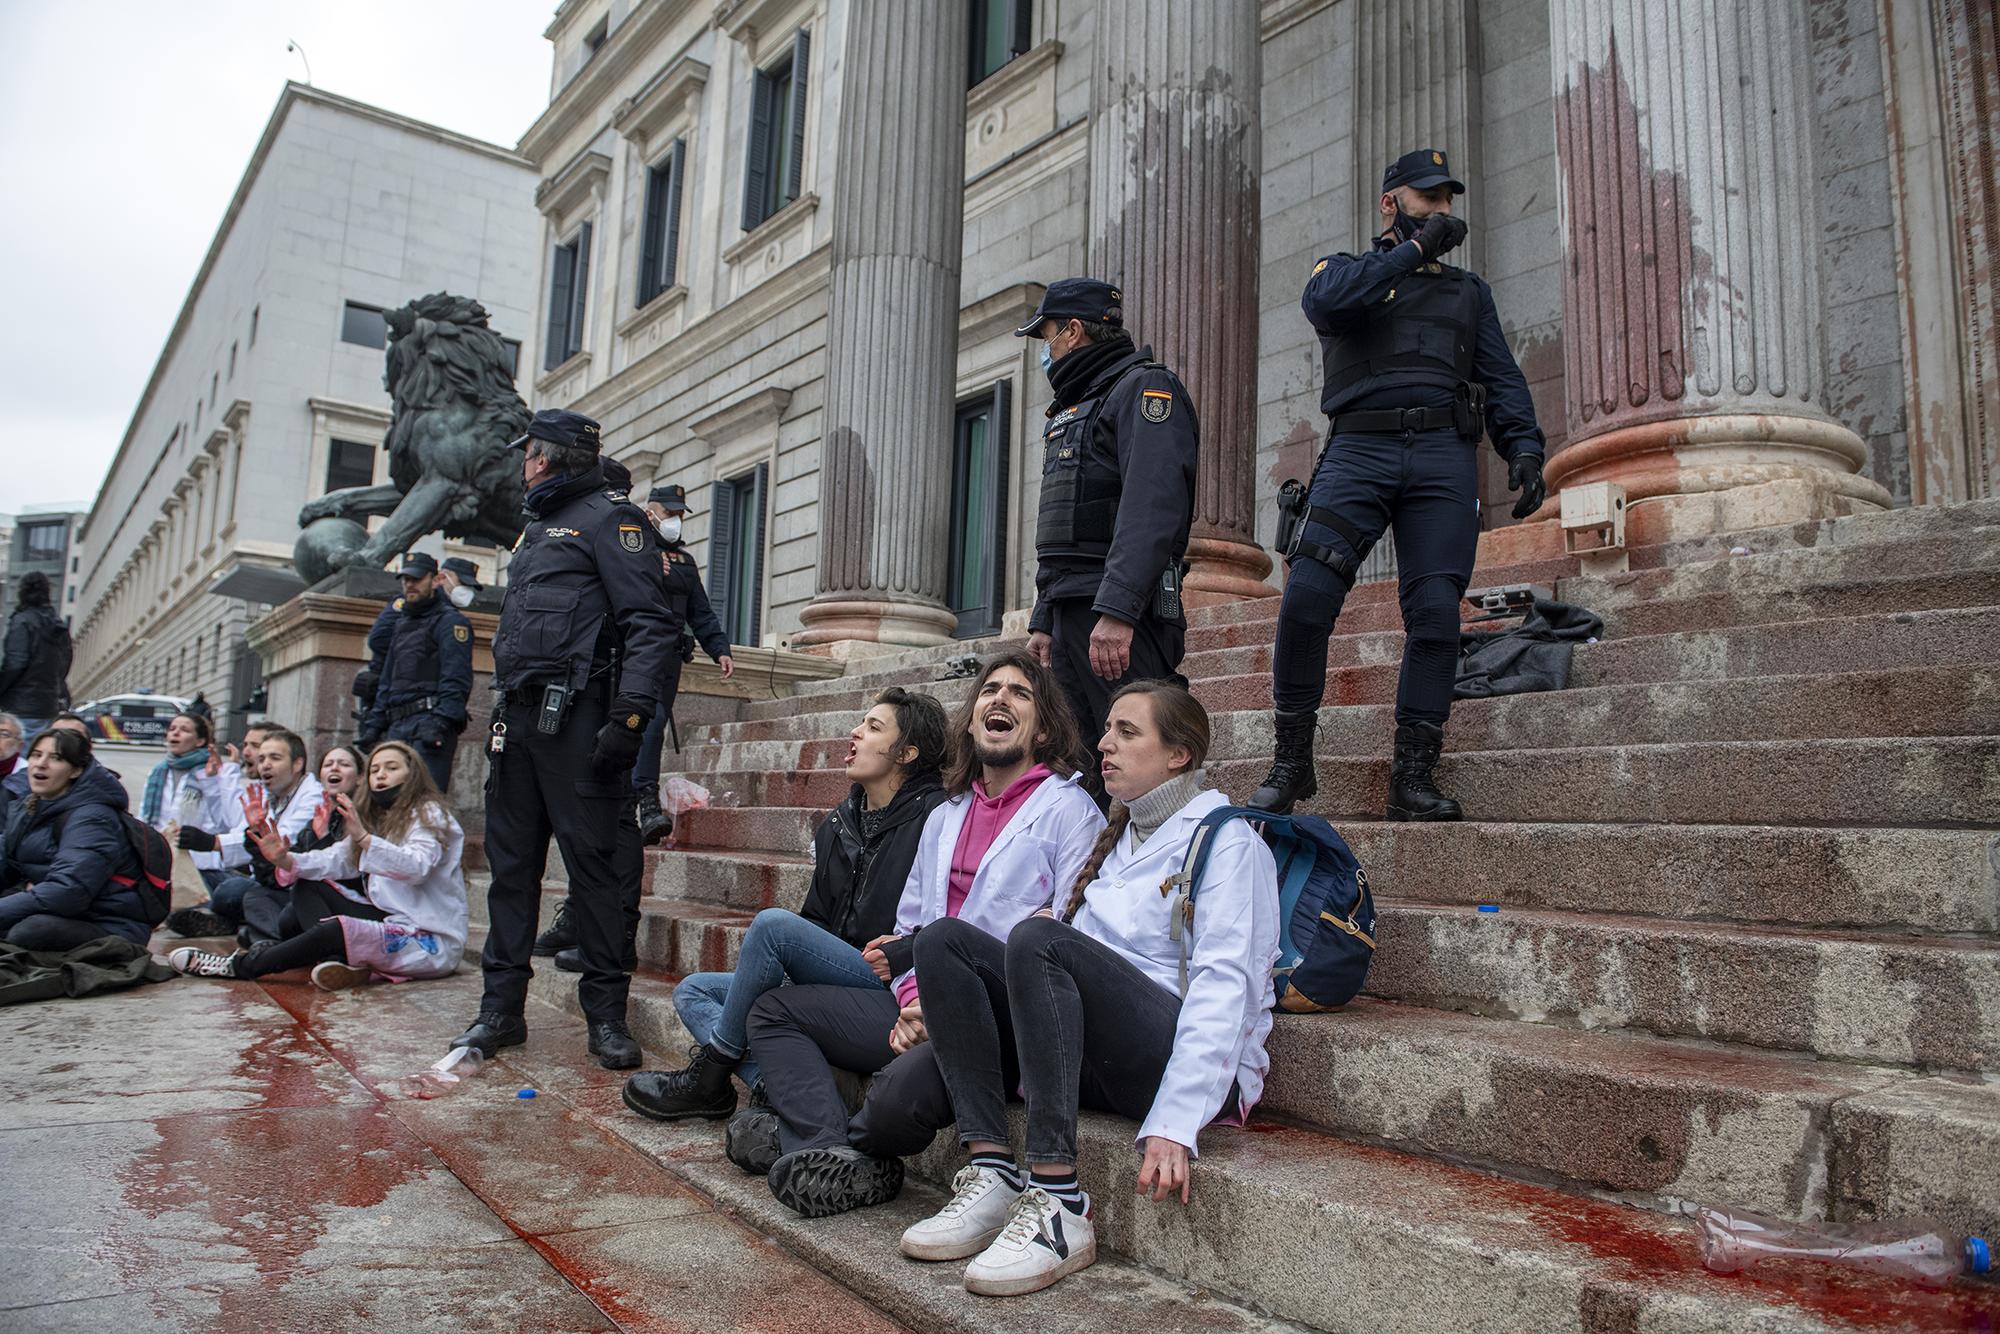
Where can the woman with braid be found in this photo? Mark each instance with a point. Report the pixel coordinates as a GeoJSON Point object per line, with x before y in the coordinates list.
{"type": "Point", "coordinates": [1084, 1007]}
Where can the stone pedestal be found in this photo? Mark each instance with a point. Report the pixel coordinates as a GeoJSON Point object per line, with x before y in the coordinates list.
{"type": "Point", "coordinates": [1692, 331]}
{"type": "Point", "coordinates": [892, 329]}
{"type": "Point", "coordinates": [1175, 156]}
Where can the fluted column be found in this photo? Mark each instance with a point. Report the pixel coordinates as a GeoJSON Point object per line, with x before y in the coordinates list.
{"type": "Point", "coordinates": [1175, 152]}
{"type": "Point", "coordinates": [1692, 340]}
{"type": "Point", "coordinates": [892, 328]}
{"type": "Point", "coordinates": [1416, 85]}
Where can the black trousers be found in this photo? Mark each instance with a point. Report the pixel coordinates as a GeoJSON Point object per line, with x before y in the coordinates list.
{"type": "Point", "coordinates": [51, 934]}
{"type": "Point", "coordinates": [435, 743]}
{"type": "Point", "coordinates": [800, 1035]}
{"type": "Point", "coordinates": [543, 786]}
{"type": "Point", "coordinates": [1157, 648]}
{"type": "Point", "coordinates": [307, 930]}
{"type": "Point", "coordinates": [1083, 1028]}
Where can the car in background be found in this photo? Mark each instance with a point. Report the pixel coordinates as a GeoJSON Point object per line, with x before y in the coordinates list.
{"type": "Point", "coordinates": [138, 719]}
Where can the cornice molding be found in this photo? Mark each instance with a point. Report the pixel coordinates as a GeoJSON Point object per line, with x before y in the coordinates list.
{"type": "Point", "coordinates": [581, 177]}
{"type": "Point", "coordinates": [673, 93]}
{"type": "Point", "coordinates": [628, 44]}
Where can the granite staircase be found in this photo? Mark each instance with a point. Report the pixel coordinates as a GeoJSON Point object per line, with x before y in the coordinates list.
{"type": "Point", "coordinates": [1747, 948]}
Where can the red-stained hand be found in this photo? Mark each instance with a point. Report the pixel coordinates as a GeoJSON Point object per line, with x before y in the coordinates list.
{"type": "Point", "coordinates": [1165, 1169]}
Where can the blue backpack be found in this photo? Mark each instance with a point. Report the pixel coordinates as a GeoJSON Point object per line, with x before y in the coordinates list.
{"type": "Point", "coordinates": [1326, 916]}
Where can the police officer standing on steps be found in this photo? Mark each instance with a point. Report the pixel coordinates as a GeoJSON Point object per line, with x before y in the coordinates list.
{"type": "Point", "coordinates": [1416, 368]}
{"type": "Point", "coordinates": [582, 647]}
{"type": "Point", "coordinates": [426, 671]}
{"type": "Point", "coordinates": [1118, 468]}
{"type": "Point", "coordinates": [687, 604]}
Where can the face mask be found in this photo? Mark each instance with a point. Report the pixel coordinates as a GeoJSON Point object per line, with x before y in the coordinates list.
{"type": "Point", "coordinates": [384, 798]}
{"type": "Point", "coordinates": [1405, 226]}
{"type": "Point", "coordinates": [462, 596]}
{"type": "Point", "coordinates": [1048, 360]}
{"type": "Point", "coordinates": [670, 528]}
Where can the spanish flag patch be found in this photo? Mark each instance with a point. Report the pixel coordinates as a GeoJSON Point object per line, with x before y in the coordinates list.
{"type": "Point", "coordinates": [1155, 405]}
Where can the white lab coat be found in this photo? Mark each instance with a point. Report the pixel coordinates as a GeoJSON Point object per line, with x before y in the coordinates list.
{"type": "Point", "coordinates": [419, 882]}
{"type": "Point", "coordinates": [1037, 856]}
{"type": "Point", "coordinates": [213, 802]}
{"type": "Point", "coordinates": [1226, 1013]}
{"type": "Point", "coordinates": [290, 819]}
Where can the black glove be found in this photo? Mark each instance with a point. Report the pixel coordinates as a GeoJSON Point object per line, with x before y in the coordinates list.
{"type": "Point", "coordinates": [365, 682]}
{"type": "Point", "coordinates": [619, 740]}
{"type": "Point", "coordinates": [196, 840]}
{"type": "Point", "coordinates": [1524, 474]}
{"type": "Point", "coordinates": [1441, 232]}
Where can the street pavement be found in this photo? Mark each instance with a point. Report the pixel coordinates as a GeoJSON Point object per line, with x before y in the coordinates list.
{"type": "Point", "coordinates": [243, 1156]}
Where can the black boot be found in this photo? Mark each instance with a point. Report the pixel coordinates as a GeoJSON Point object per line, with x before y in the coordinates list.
{"type": "Point", "coordinates": [818, 1183]}
{"type": "Point", "coordinates": [703, 1089]}
{"type": "Point", "coordinates": [1412, 793]}
{"type": "Point", "coordinates": [561, 934]}
{"type": "Point", "coordinates": [655, 825]}
{"type": "Point", "coordinates": [612, 1044]}
{"type": "Point", "coordinates": [571, 959]}
{"type": "Point", "coordinates": [1291, 779]}
{"type": "Point", "coordinates": [491, 1031]}
{"type": "Point", "coordinates": [752, 1138]}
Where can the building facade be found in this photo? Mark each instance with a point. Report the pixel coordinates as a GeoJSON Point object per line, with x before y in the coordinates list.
{"type": "Point", "coordinates": [269, 389]}
{"type": "Point", "coordinates": [42, 539]}
{"type": "Point", "coordinates": [785, 242]}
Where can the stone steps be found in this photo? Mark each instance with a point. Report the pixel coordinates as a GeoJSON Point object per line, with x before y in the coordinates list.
{"type": "Point", "coordinates": [1314, 1227]}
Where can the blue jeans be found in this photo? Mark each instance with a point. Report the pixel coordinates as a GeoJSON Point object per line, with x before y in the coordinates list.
{"type": "Point", "coordinates": [225, 898]}
{"type": "Point", "coordinates": [780, 947]}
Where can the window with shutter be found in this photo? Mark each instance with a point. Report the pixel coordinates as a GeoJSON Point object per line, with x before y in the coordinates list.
{"type": "Point", "coordinates": [659, 240]}
{"type": "Point", "coordinates": [677, 173]}
{"type": "Point", "coordinates": [999, 31]}
{"type": "Point", "coordinates": [649, 235]}
{"type": "Point", "coordinates": [795, 165]}
{"type": "Point", "coordinates": [980, 470]}
{"type": "Point", "coordinates": [562, 276]}
{"type": "Point", "coordinates": [757, 157]}
{"type": "Point", "coordinates": [722, 551]}
{"type": "Point", "coordinates": [736, 553]}
{"type": "Point", "coordinates": [580, 291]}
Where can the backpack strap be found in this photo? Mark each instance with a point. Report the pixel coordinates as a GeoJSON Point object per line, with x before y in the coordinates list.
{"type": "Point", "coordinates": [1182, 887]}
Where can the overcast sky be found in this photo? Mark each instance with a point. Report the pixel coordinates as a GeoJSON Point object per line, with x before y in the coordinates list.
{"type": "Point", "coordinates": [124, 129]}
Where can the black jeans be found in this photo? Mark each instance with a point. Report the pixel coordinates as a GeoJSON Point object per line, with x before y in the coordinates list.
{"type": "Point", "coordinates": [310, 933]}
{"type": "Point", "coordinates": [800, 1034]}
{"type": "Point", "coordinates": [1085, 1029]}
{"type": "Point", "coordinates": [1157, 647]}
{"type": "Point", "coordinates": [48, 933]}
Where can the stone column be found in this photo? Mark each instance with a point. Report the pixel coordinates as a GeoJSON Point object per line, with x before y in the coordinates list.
{"type": "Point", "coordinates": [1691, 342]}
{"type": "Point", "coordinates": [1416, 85]}
{"type": "Point", "coordinates": [1175, 153]}
{"type": "Point", "coordinates": [892, 328]}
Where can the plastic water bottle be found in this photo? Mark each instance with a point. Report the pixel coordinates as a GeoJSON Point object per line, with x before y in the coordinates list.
{"type": "Point", "coordinates": [1915, 1248]}
{"type": "Point", "coordinates": [459, 1065]}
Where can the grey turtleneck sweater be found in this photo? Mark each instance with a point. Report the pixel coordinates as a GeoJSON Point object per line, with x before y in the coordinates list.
{"type": "Point", "coordinates": [1156, 807]}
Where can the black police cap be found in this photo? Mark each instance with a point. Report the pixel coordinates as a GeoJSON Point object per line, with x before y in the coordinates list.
{"type": "Point", "coordinates": [617, 476]}
{"type": "Point", "coordinates": [417, 564]}
{"type": "Point", "coordinates": [1076, 299]}
{"type": "Point", "coordinates": [672, 497]}
{"type": "Point", "coordinates": [467, 572]}
{"type": "Point", "coordinates": [560, 426]}
{"type": "Point", "coordinates": [1421, 170]}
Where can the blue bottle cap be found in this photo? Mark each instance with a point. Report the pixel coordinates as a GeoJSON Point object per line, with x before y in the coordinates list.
{"type": "Point", "coordinates": [1978, 1258]}
{"type": "Point", "coordinates": [525, 1093]}
{"type": "Point", "coordinates": [1489, 907]}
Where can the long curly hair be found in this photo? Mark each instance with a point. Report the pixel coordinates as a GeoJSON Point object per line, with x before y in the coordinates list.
{"type": "Point", "coordinates": [1055, 744]}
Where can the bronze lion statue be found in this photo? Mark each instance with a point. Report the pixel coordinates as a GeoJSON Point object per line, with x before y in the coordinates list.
{"type": "Point", "coordinates": [454, 410]}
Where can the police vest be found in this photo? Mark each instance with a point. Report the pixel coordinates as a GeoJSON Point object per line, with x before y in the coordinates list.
{"type": "Point", "coordinates": [1423, 333]}
{"type": "Point", "coordinates": [413, 656]}
{"type": "Point", "coordinates": [1081, 483]}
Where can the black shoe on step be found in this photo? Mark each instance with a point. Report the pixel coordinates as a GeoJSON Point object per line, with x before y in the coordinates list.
{"type": "Point", "coordinates": [571, 960]}
{"type": "Point", "coordinates": [702, 1089]}
{"type": "Point", "coordinates": [491, 1031]}
{"type": "Point", "coordinates": [817, 1183]}
{"type": "Point", "coordinates": [1413, 793]}
{"type": "Point", "coordinates": [612, 1044]}
{"type": "Point", "coordinates": [198, 922]}
{"type": "Point", "coordinates": [752, 1138]}
{"type": "Point", "coordinates": [1291, 779]}
{"type": "Point", "coordinates": [561, 935]}
{"type": "Point", "coordinates": [655, 825]}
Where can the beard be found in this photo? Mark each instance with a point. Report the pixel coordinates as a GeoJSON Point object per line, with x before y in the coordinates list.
{"type": "Point", "coordinates": [1004, 756]}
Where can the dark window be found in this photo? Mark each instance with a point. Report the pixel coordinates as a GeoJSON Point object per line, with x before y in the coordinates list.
{"type": "Point", "coordinates": [232, 361]}
{"type": "Point", "coordinates": [736, 553]}
{"type": "Point", "coordinates": [979, 481]}
{"type": "Point", "coordinates": [43, 541]}
{"type": "Point", "coordinates": [349, 463]}
{"type": "Point", "coordinates": [254, 312]}
{"type": "Point", "coordinates": [593, 41]}
{"type": "Point", "coordinates": [214, 387]}
{"type": "Point", "coordinates": [361, 325]}
{"type": "Point", "coordinates": [513, 346]}
{"type": "Point", "coordinates": [569, 282]}
{"type": "Point", "coordinates": [999, 33]}
{"type": "Point", "coordinates": [660, 239]}
{"type": "Point", "coordinates": [776, 157]}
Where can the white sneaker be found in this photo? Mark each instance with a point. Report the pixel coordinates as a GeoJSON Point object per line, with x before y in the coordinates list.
{"type": "Point", "coordinates": [191, 962]}
{"type": "Point", "coordinates": [981, 1202]}
{"type": "Point", "coordinates": [1041, 1243]}
{"type": "Point", "coordinates": [334, 975]}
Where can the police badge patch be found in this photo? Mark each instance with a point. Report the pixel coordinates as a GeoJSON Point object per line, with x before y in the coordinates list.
{"type": "Point", "coordinates": [1156, 405]}
{"type": "Point", "coordinates": [632, 538]}
{"type": "Point", "coordinates": [460, 633]}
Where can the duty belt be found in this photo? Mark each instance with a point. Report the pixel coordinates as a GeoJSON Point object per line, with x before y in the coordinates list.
{"type": "Point", "coordinates": [398, 712]}
{"type": "Point", "coordinates": [1394, 421]}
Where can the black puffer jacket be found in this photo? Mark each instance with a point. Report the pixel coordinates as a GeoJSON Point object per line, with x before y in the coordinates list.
{"type": "Point", "coordinates": [857, 881]}
{"type": "Point", "coordinates": [34, 673]}
{"type": "Point", "coordinates": [59, 856]}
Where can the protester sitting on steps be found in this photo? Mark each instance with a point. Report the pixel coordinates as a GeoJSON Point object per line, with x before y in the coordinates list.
{"type": "Point", "coordinates": [862, 853]}
{"type": "Point", "coordinates": [264, 907]}
{"type": "Point", "coordinates": [1085, 1007]}
{"type": "Point", "coordinates": [194, 785]}
{"type": "Point", "coordinates": [413, 924]}
{"type": "Point", "coordinates": [289, 794]}
{"type": "Point", "coordinates": [65, 850]}
{"type": "Point", "coordinates": [1015, 834]}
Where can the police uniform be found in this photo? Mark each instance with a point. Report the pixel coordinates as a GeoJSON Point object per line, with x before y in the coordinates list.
{"type": "Point", "coordinates": [369, 679]}
{"type": "Point", "coordinates": [1118, 468]}
{"type": "Point", "coordinates": [582, 646]}
{"type": "Point", "coordinates": [425, 675]}
{"type": "Point", "coordinates": [695, 622]}
{"type": "Point", "coordinates": [1416, 369]}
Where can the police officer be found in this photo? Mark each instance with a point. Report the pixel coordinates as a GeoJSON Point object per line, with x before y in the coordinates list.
{"type": "Point", "coordinates": [458, 580]}
{"type": "Point", "coordinates": [1416, 368]}
{"type": "Point", "coordinates": [1118, 468]}
{"type": "Point", "coordinates": [582, 647]}
{"type": "Point", "coordinates": [426, 671]}
{"type": "Point", "coordinates": [687, 604]}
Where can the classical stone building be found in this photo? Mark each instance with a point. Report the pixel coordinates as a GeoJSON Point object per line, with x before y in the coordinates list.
{"type": "Point", "coordinates": [41, 539]}
{"type": "Point", "coordinates": [269, 389]}
{"type": "Point", "coordinates": [785, 242]}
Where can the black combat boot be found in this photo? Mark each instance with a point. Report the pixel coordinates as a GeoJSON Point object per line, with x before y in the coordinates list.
{"type": "Point", "coordinates": [491, 1031]}
{"type": "Point", "coordinates": [1412, 793]}
{"type": "Point", "coordinates": [571, 959]}
{"type": "Point", "coordinates": [752, 1138]}
{"type": "Point", "coordinates": [1291, 779]}
{"type": "Point", "coordinates": [655, 825]}
{"type": "Point", "coordinates": [612, 1044]}
{"type": "Point", "coordinates": [703, 1089]}
{"type": "Point", "coordinates": [561, 934]}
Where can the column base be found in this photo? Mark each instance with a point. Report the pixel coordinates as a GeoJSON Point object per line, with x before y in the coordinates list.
{"type": "Point", "coordinates": [1224, 570]}
{"type": "Point", "coordinates": [837, 620]}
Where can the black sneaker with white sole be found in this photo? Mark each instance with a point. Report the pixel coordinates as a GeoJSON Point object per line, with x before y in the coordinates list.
{"type": "Point", "coordinates": [818, 1183]}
